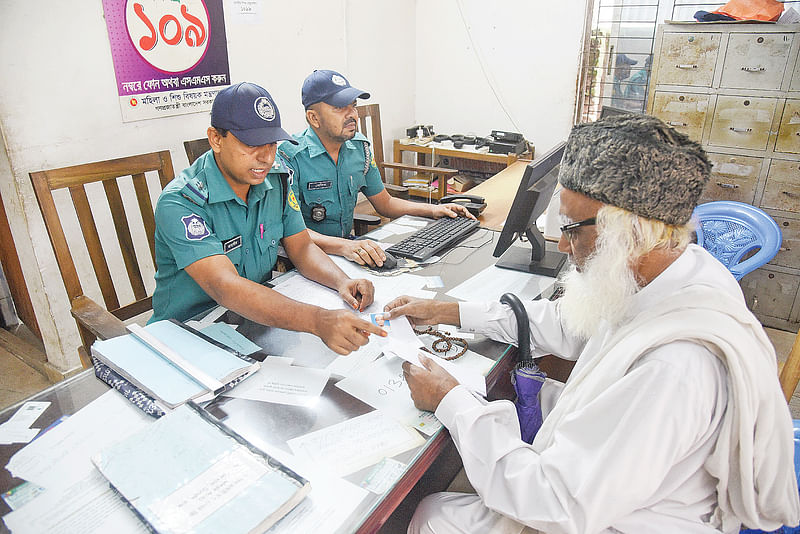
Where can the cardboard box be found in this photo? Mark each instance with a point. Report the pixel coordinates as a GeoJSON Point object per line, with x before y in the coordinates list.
{"type": "Point", "coordinates": [460, 183]}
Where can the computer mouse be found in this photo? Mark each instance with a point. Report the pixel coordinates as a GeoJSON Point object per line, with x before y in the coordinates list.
{"type": "Point", "coordinates": [389, 263]}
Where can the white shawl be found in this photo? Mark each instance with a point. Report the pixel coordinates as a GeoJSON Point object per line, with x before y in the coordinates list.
{"type": "Point", "coordinates": [753, 458]}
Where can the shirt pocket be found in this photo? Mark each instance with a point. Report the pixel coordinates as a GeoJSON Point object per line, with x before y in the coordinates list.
{"type": "Point", "coordinates": [268, 247]}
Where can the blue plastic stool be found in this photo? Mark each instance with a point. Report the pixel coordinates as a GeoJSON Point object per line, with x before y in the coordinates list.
{"type": "Point", "coordinates": [730, 230]}
{"type": "Point", "coordinates": [787, 530]}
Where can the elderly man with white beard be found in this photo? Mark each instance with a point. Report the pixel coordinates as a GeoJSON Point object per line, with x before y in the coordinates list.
{"type": "Point", "coordinates": [672, 419]}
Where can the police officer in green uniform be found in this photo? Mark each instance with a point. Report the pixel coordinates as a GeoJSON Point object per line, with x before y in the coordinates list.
{"type": "Point", "coordinates": [331, 162]}
{"type": "Point", "coordinates": [219, 224]}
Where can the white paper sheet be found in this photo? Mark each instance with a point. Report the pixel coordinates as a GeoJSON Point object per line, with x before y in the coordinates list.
{"type": "Point", "coordinates": [466, 376]}
{"type": "Point", "coordinates": [382, 385]}
{"type": "Point", "coordinates": [358, 359]}
{"type": "Point", "coordinates": [357, 443]}
{"type": "Point", "coordinates": [282, 384]}
{"type": "Point", "coordinates": [59, 461]}
{"type": "Point", "coordinates": [492, 282]}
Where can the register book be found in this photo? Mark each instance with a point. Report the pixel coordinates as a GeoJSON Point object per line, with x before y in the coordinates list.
{"type": "Point", "coordinates": [186, 472]}
{"type": "Point", "coordinates": [173, 364]}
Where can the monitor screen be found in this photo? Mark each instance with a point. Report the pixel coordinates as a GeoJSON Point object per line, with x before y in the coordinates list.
{"type": "Point", "coordinates": [532, 198]}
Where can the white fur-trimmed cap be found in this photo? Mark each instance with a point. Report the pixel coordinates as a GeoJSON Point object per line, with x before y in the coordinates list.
{"type": "Point", "coordinates": [637, 163]}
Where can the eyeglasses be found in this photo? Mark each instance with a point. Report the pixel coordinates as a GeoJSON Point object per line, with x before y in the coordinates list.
{"type": "Point", "coordinates": [568, 229]}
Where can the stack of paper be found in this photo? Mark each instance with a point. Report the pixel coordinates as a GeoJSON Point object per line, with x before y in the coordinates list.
{"type": "Point", "coordinates": [151, 360]}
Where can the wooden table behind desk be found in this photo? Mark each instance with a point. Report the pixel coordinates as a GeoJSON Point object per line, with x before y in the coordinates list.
{"type": "Point", "coordinates": [499, 192]}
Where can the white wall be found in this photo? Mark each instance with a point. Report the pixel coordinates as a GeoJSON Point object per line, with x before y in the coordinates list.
{"type": "Point", "coordinates": [58, 103]}
{"type": "Point", "coordinates": [509, 65]}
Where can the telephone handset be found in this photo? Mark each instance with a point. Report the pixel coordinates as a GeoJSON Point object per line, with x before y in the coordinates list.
{"type": "Point", "coordinates": [474, 204]}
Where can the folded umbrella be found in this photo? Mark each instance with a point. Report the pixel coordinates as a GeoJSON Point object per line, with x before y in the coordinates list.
{"type": "Point", "coordinates": [526, 376]}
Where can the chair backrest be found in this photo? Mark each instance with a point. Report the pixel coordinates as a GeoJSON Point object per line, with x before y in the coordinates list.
{"type": "Point", "coordinates": [196, 148]}
{"type": "Point", "coordinates": [369, 118]}
{"type": "Point", "coordinates": [111, 174]}
{"type": "Point", "coordinates": [731, 230]}
{"type": "Point", "coordinates": [790, 372]}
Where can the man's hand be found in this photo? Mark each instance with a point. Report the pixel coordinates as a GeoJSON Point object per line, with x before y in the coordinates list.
{"type": "Point", "coordinates": [423, 311]}
{"type": "Point", "coordinates": [451, 210]}
{"type": "Point", "coordinates": [429, 385]}
{"type": "Point", "coordinates": [363, 252]}
{"type": "Point", "coordinates": [343, 332]}
{"type": "Point", "coordinates": [357, 293]}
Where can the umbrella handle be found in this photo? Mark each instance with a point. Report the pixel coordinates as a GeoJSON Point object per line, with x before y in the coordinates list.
{"type": "Point", "coordinates": [523, 326]}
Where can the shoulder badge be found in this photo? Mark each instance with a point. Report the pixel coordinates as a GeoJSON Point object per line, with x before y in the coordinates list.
{"type": "Point", "coordinates": [293, 200]}
{"type": "Point", "coordinates": [195, 191]}
{"type": "Point", "coordinates": [196, 228]}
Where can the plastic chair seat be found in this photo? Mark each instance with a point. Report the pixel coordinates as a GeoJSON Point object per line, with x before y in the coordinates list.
{"type": "Point", "coordinates": [732, 230]}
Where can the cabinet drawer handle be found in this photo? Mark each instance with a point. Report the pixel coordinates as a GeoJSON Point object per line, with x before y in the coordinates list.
{"type": "Point", "coordinates": [789, 194]}
{"type": "Point", "coordinates": [728, 186]}
{"type": "Point", "coordinates": [678, 123]}
{"type": "Point", "coordinates": [753, 69]}
{"type": "Point", "coordinates": [686, 66]}
{"type": "Point", "coordinates": [740, 130]}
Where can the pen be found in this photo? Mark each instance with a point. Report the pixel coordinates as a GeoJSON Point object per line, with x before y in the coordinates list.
{"type": "Point", "coordinates": [261, 226]}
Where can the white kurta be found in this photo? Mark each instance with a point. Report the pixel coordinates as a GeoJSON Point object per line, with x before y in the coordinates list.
{"type": "Point", "coordinates": [631, 460]}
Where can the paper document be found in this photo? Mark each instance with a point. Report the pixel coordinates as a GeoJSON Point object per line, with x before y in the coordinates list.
{"type": "Point", "coordinates": [323, 511]}
{"type": "Point", "coordinates": [59, 461]}
{"type": "Point", "coordinates": [465, 375]}
{"type": "Point", "coordinates": [282, 384]}
{"type": "Point", "coordinates": [357, 443]}
{"type": "Point", "coordinates": [491, 283]}
{"type": "Point", "coordinates": [383, 386]}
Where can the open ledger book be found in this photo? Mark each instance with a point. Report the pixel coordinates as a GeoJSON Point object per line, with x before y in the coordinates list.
{"type": "Point", "coordinates": [186, 472]}
{"type": "Point", "coordinates": [172, 363]}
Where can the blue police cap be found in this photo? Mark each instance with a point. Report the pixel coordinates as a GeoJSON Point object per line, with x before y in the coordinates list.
{"type": "Point", "coordinates": [330, 87]}
{"type": "Point", "coordinates": [248, 112]}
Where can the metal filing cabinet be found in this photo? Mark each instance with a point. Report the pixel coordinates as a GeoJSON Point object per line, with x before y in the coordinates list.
{"type": "Point", "coordinates": [736, 89]}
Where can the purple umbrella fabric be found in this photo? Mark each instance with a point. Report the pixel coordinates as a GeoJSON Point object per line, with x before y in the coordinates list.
{"type": "Point", "coordinates": [527, 379]}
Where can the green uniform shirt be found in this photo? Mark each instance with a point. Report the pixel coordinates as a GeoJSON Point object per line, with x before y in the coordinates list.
{"type": "Point", "coordinates": [319, 182]}
{"type": "Point", "coordinates": [198, 215]}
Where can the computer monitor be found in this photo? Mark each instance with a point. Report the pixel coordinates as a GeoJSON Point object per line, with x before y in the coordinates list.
{"type": "Point", "coordinates": [532, 198]}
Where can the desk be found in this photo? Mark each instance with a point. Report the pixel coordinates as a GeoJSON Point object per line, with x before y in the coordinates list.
{"type": "Point", "coordinates": [273, 424]}
{"type": "Point", "coordinates": [499, 192]}
{"type": "Point", "coordinates": [443, 149]}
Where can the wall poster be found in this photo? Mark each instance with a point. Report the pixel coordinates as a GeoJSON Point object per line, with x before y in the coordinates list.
{"type": "Point", "coordinates": [170, 56]}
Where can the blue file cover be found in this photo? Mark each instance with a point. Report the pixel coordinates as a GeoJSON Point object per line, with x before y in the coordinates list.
{"type": "Point", "coordinates": [154, 374]}
{"type": "Point", "coordinates": [186, 472]}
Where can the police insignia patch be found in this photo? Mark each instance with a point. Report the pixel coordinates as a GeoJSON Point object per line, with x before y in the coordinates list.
{"type": "Point", "coordinates": [293, 201]}
{"type": "Point", "coordinates": [196, 228]}
{"type": "Point", "coordinates": [264, 108]}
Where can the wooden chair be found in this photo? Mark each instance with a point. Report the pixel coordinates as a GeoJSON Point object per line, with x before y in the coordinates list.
{"type": "Point", "coordinates": [196, 148]}
{"type": "Point", "coordinates": [790, 372]}
{"type": "Point", "coordinates": [96, 321]}
{"type": "Point", "coordinates": [369, 117]}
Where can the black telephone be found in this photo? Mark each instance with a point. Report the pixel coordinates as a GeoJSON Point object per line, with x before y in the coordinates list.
{"type": "Point", "coordinates": [474, 204]}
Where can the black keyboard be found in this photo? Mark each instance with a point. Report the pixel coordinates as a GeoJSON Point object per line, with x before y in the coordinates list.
{"type": "Point", "coordinates": [434, 238]}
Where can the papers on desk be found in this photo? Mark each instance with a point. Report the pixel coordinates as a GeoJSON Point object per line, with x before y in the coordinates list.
{"type": "Point", "coordinates": [188, 473]}
{"type": "Point", "coordinates": [491, 283]}
{"type": "Point", "coordinates": [354, 444]}
{"type": "Point", "coordinates": [17, 428]}
{"type": "Point", "coordinates": [282, 384]}
{"type": "Point", "coordinates": [59, 461]}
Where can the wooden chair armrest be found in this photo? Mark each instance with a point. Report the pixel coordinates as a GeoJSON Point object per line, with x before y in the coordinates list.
{"type": "Point", "coordinates": [96, 319]}
{"type": "Point", "coordinates": [555, 367]}
{"type": "Point", "coordinates": [420, 168]}
{"type": "Point", "coordinates": [399, 191]}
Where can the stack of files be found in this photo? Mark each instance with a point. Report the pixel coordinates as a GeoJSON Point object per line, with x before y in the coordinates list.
{"type": "Point", "coordinates": [166, 363]}
{"type": "Point", "coordinates": [186, 472]}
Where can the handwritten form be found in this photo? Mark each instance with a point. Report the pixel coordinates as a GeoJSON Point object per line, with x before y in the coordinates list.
{"type": "Point", "coordinates": [357, 443]}
{"type": "Point", "coordinates": [381, 385]}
